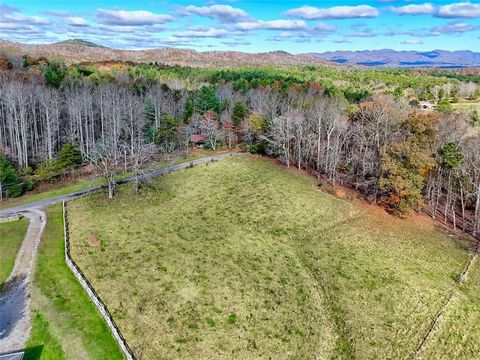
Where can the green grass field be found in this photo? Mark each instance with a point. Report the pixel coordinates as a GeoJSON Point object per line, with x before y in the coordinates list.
{"type": "Point", "coordinates": [468, 107]}
{"type": "Point", "coordinates": [65, 323]}
{"type": "Point", "coordinates": [245, 259]}
{"type": "Point", "coordinates": [58, 189]}
{"type": "Point", "coordinates": [11, 237]}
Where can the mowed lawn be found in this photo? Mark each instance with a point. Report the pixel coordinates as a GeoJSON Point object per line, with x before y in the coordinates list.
{"type": "Point", "coordinates": [245, 259]}
{"type": "Point", "coordinates": [12, 234]}
{"type": "Point", "coordinates": [65, 323]}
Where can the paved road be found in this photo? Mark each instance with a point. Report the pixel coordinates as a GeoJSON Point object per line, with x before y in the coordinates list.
{"type": "Point", "coordinates": [154, 173]}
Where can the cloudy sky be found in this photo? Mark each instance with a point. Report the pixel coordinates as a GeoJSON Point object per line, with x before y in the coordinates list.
{"type": "Point", "coordinates": [247, 25]}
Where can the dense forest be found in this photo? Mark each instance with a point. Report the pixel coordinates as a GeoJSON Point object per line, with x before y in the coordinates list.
{"type": "Point", "coordinates": [357, 128]}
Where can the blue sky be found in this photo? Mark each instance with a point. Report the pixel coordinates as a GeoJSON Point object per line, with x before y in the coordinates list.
{"type": "Point", "coordinates": [248, 25]}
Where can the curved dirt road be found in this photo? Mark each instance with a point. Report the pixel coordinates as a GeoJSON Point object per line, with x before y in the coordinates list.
{"type": "Point", "coordinates": [15, 322]}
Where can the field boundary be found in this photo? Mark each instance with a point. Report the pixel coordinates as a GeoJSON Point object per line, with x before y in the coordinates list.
{"type": "Point", "coordinates": [435, 322]}
{"type": "Point", "coordinates": [92, 294]}
{"type": "Point", "coordinates": [433, 326]}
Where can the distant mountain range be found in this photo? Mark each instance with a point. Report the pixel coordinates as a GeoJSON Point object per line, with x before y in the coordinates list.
{"type": "Point", "coordinates": [393, 58]}
{"type": "Point", "coordinates": [79, 50]}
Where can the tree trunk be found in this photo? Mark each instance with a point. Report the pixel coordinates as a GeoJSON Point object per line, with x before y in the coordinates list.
{"type": "Point", "coordinates": [476, 218]}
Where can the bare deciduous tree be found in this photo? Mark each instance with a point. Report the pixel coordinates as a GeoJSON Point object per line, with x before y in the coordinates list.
{"type": "Point", "coordinates": [106, 164]}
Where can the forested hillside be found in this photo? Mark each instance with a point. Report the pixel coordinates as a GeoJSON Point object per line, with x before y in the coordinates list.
{"type": "Point", "coordinates": [359, 128]}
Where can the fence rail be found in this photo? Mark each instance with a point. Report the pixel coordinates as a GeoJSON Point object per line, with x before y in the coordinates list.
{"type": "Point", "coordinates": [102, 308]}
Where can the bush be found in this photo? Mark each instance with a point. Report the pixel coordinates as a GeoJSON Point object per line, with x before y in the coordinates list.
{"type": "Point", "coordinates": [54, 74]}
{"type": "Point", "coordinates": [9, 179]}
{"type": "Point", "coordinates": [475, 118]}
{"type": "Point", "coordinates": [444, 105]}
{"type": "Point", "coordinates": [70, 157]}
{"type": "Point", "coordinates": [48, 170]}
{"type": "Point", "coordinates": [259, 148]}
{"type": "Point", "coordinates": [28, 184]}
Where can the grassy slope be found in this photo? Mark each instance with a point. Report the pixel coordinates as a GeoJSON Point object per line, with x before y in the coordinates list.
{"type": "Point", "coordinates": [11, 236]}
{"type": "Point", "coordinates": [244, 259]}
{"type": "Point", "coordinates": [58, 189]}
{"type": "Point", "coordinates": [458, 336]}
{"type": "Point", "coordinates": [65, 321]}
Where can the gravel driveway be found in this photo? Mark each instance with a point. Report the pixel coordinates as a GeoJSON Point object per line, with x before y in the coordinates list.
{"type": "Point", "coordinates": [15, 323]}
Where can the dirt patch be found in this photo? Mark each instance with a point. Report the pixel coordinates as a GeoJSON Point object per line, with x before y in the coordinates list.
{"type": "Point", "coordinates": [94, 240]}
{"type": "Point", "coordinates": [340, 193]}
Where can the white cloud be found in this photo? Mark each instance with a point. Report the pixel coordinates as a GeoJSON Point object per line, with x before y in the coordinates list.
{"type": "Point", "coordinates": [452, 28]}
{"type": "Point", "coordinates": [224, 13]}
{"type": "Point", "coordinates": [131, 18]}
{"type": "Point", "coordinates": [411, 42]}
{"type": "Point", "coordinates": [363, 33]}
{"type": "Point", "coordinates": [67, 17]}
{"type": "Point", "coordinates": [236, 43]}
{"type": "Point", "coordinates": [272, 25]}
{"type": "Point", "coordinates": [75, 21]}
{"type": "Point", "coordinates": [459, 10]}
{"type": "Point", "coordinates": [336, 12]}
{"type": "Point", "coordinates": [203, 33]}
{"type": "Point", "coordinates": [455, 10]}
{"type": "Point", "coordinates": [321, 27]}
{"type": "Point", "coordinates": [421, 9]}
{"type": "Point", "coordinates": [13, 16]}
{"type": "Point", "coordinates": [341, 41]}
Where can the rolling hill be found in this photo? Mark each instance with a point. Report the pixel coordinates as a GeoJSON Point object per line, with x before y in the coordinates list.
{"type": "Point", "coordinates": [243, 259]}
{"type": "Point", "coordinates": [77, 50]}
{"type": "Point", "coordinates": [79, 42]}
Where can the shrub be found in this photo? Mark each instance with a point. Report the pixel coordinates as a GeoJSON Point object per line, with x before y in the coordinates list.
{"type": "Point", "coordinates": [54, 74]}
{"type": "Point", "coordinates": [444, 105]}
{"type": "Point", "coordinates": [28, 184]}
{"type": "Point", "coordinates": [9, 178]}
{"type": "Point", "coordinates": [48, 170]}
{"type": "Point", "coordinates": [475, 118]}
{"type": "Point", "coordinates": [70, 156]}
{"type": "Point", "coordinates": [259, 148]}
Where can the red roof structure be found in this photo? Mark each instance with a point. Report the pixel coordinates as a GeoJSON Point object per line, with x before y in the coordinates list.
{"type": "Point", "coordinates": [197, 138]}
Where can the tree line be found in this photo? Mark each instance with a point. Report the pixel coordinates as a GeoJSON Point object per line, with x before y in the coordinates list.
{"type": "Point", "coordinates": [381, 146]}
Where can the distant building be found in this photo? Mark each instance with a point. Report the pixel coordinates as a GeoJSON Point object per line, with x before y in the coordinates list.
{"type": "Point", "coordinates": [426, 105]}
{"type": "Point", "coordinates": [197, 139]}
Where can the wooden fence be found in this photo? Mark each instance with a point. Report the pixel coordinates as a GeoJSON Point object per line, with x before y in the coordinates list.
{"type": "Point", "coordinates": [100, 305]}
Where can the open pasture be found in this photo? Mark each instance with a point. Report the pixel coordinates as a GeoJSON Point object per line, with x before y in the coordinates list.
{"type": "Point", "coordinates": [245, 259]}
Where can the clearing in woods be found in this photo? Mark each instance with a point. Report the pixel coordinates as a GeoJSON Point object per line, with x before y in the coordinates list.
{"type": "Point", "coordinates": [243, 259]}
